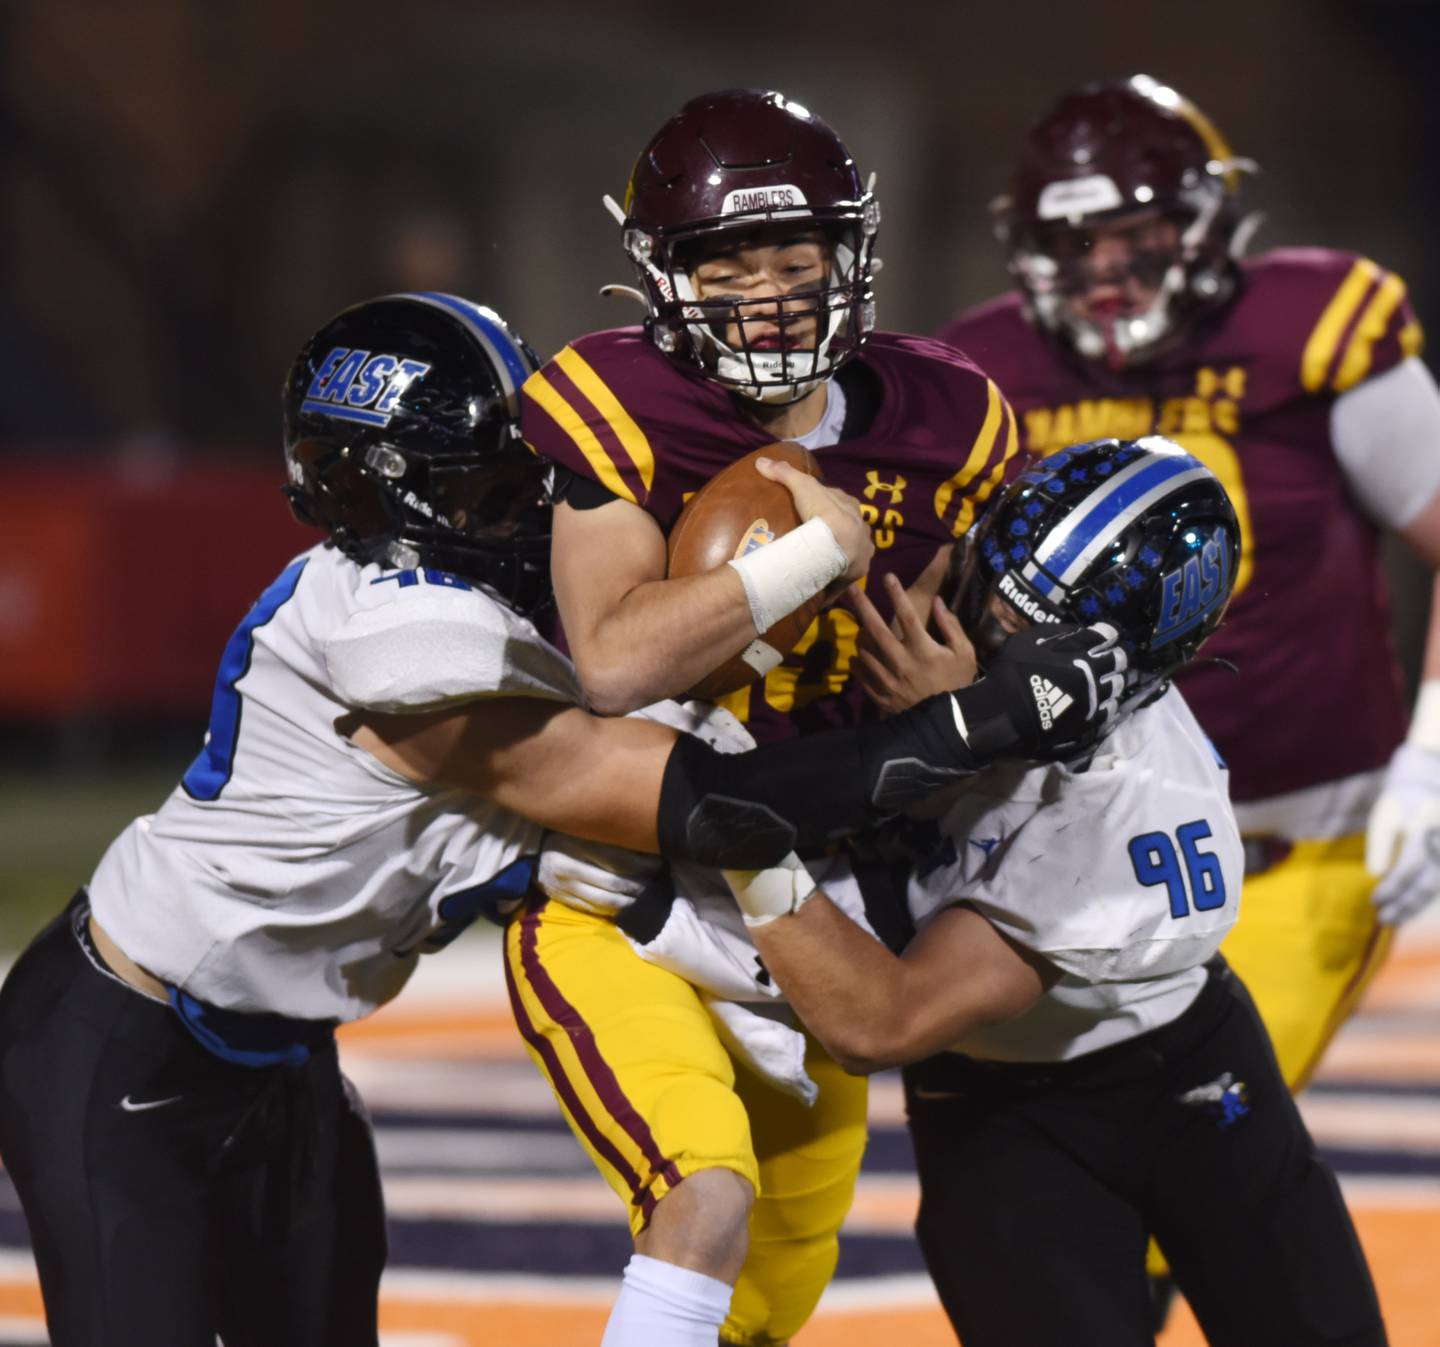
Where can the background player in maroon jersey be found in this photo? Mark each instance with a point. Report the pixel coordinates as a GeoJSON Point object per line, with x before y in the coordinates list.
{"type": "Point", "coordinates": [752, 236]}
{"type": "Point", "coordinates": [1295, 376]}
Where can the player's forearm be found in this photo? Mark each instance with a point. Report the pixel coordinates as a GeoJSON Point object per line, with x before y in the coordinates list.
{"type": "Point", "coordinates": [658, 640]}
{"type": "Point", "coordinates": [850, 991]}
{"type": "Point", "coordinates": [747, 810]}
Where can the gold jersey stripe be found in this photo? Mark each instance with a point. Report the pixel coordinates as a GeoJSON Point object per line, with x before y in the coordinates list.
{"type": "Point", "coordinates": [1412, 338]}
{"type": "Point", "coordinates": [1360, 351]}
{"type": "Point", "coordinates": [966, 515]}
{"type": "Point", "coordinates": [631, 437]}
{"type": "Point", "coordinates": [997, 412]}
{"type": "Point", "coordinates": [542, 392]}
{"type": "Point", "coordinates": [1325, 339]}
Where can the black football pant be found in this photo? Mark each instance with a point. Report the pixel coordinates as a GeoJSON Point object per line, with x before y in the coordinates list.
{"type": "Point", "coordinates": [172, 1195]}
{"type": "Point", "coordinates": [1039, 1186]}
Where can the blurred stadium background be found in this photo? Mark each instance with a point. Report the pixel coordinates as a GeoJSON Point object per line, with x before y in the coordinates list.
{"type": "Point", "coordinates": [189, 189]}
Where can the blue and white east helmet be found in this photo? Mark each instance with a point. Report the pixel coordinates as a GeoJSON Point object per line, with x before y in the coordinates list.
{"type": "Point", "coordinates": [402, 441]}
{"type": "Point", "coordinates": [1136, 533]}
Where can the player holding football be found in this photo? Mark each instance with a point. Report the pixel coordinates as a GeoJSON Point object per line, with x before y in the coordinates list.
{"type": "Point", "coordinates": [1296, 377]}
{"type": "Point", "coordinates": [752, 237]}
{"type": "Point", "coordinates": [1079, 1071]}
{"type": "Point", "coordinates": [389, 736]}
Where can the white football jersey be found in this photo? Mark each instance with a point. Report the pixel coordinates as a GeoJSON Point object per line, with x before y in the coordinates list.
{"type": "Point", "coordinates": [290, 871]}
{"type": "Point", "coordinates": [1125, 876]}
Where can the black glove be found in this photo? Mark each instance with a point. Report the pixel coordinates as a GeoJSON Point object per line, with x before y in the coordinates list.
{"type": "Point", "coordinates": [1049, 694]}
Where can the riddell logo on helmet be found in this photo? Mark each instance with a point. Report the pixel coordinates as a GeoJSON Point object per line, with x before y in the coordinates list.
{"type": "Point", "coordinates": [783, 196]}
{"type": "Point", "coordinates": [1011, 590]}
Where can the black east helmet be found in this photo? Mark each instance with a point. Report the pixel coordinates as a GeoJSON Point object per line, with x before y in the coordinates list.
{"type": "Point", "coordinates": [1111, 152]}
{"type": "Point", "coordinates": [401, 441]}
{"type": "Point", "coordinates": [1136, 533]}
{"type": "Point", "coordinates": [725, 165]}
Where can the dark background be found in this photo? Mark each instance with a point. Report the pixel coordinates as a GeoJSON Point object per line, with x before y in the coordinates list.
{"type": "Point", "coordinates": [191, 187]}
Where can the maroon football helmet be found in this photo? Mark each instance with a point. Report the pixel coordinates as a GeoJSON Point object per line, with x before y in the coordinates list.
{"type": "Point", "coordinates": [728, 166]}
{"type": "Point", "coordinates": [1121, 156]}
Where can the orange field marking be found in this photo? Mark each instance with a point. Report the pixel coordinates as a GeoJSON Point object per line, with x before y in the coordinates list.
{"type": "Point", "coordinates": [513, 1325]}
{"type": "Point", "coordinates": [22, 1299]}
{"type": "Point", "coordinates": [1398, 1243]}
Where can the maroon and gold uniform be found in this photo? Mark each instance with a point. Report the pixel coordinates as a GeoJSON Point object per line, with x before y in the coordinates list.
{"type": "Point", "coordinates": [1250, 393]}
{"type": "Point", "coordinates": [933, 440]}
{"type": "Point", "coordinates": [1250, 396]}
{"type": "Point", "coordinates": [926, 437]}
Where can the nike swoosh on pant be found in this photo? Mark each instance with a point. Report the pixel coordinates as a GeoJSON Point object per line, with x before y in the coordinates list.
{"type": "Point", "coordinates": [134, 1106]}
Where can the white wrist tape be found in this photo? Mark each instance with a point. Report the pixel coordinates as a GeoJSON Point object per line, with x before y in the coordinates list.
{"type": "Point", "coordinates": [780, 576]}
{"type": "Point", "coordinates": [764, 895]}
{"type": "Point", "coordinates": [1425, 719]}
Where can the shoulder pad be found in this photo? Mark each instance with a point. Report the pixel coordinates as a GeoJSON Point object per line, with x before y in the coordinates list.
{"type": "Point", "coordinates": [569, 410]}
{"type": "Point", "coordinates": [1350, 317]}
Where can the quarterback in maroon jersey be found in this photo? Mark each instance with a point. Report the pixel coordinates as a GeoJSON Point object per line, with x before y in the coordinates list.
{"type": "Point", "coordinates": [1295, 376]}
{"type": "Point", "coordinates": [752, 237]}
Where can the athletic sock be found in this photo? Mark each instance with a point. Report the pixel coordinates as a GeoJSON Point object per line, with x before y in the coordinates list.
{"type": "Point", "coordinates": [663, 1305]}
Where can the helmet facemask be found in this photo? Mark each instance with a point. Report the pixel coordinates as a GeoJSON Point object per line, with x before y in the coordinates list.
{"type": "Point", "coordinates": [777, 367]}
{"type": "Point", "coordinates": [1050, 264]}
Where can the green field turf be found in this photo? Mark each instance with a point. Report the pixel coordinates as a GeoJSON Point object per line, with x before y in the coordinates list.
{"type": "Point", "coordinates": [53, 828]}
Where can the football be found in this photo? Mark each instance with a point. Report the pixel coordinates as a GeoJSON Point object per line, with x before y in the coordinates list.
{"type": "Point", "coordinates": [735, 512]}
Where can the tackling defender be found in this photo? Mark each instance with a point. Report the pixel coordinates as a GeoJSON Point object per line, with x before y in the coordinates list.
{"type": "Point", "coordinates": [752, 237]}
{"type": "Point", "coordinates": [389, 736]}
{"type": "Point", "coordinates": [1079, 1071]}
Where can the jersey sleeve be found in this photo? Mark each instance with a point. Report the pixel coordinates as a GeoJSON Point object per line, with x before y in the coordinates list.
{"type": "Point", "coordinates": [1359, 318]}
{"type": "Point", "coordinates": [990, 461]}
{"type": "Point", "coordinates": [570, 412]}
{"type": "Point", "coordinates": [414, 643]}
{"type": "Point", "coordinates": [1386, 436]}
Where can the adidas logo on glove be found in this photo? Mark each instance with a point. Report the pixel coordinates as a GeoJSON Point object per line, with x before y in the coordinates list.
{"type": "Point", "coordinates": [1050, 701]}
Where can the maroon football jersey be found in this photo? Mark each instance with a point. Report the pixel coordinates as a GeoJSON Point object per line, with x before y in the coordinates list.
{"type": "Point", "coordinates": [1318, 695]}
{"type": "Point", "coordinates": [613, 407]}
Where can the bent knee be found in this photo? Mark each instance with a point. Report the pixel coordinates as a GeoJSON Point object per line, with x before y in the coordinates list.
{"type": "Point", "coordinates": [702, 1224]}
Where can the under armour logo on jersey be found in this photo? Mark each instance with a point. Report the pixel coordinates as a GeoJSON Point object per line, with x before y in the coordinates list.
{"type": "Point", "coordinates": [1225, 1099]}
{"type": "Point", "coordinates": [1050, 701]}
{"type": "Point", "coordinates": [357, 386]}
{"type": "Point", "coordinates": [895, 489]}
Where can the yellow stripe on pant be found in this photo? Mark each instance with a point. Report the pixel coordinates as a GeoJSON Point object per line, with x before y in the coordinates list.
{"type": "Point", "coordinates": [652, 1095]}
{"type": "Point", "coordinates": [1307, 945]}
